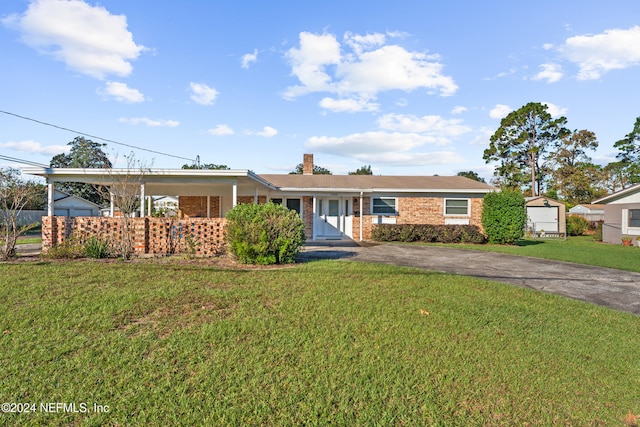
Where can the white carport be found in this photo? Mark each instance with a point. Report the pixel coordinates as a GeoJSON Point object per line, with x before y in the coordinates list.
{"type": "Point", "coordinates": [227, 184]}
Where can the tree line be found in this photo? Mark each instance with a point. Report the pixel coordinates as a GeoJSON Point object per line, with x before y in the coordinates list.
{"type": "Point", "coordinates": [538, 154]}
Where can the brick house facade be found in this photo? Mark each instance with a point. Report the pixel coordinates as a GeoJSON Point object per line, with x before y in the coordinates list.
{"type": "Point", "coordinates": [331, 206]}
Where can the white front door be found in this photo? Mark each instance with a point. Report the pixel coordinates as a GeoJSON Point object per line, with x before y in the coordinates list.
{"type": "Point", "coordinates": [329, 218]}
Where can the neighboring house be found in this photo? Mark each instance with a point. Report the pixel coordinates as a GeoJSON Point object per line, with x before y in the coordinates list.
{"type": "Point", "coordinates": [332, 206]}
{"type": "Point", "coordinates": [65, 205]}
{"type": "Point", "coordinates": [590, 212]}
{"type": "Point", "coordinates": [68, 205]}
{"type": "Point", "coordinates": [621, 215]}
{"type": "Point", "coordinates": [546, 217]}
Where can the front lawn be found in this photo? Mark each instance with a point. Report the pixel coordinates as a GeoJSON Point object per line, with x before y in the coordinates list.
{"type": "Point", "coordinates": [324, 343]}
{"type": "Point", "coordinates": [579, 249]}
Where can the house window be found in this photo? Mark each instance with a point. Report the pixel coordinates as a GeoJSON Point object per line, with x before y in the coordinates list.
{"type": "Point", "coordinates": [276, 201]}
{"type": "Point", "coordinates": [456, 207]}
{"type": "Point", "coordinates": [294, 204]}
{"type": "Point", "coordinates": [384, 206]}
{"type": "Point", "coordinates": [634, 218]}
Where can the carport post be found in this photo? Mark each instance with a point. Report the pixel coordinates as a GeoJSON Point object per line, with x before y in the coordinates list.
{"type": "Point", "coordinates": [361, 196]}
{"type": "Point", "coordinates": [50, 198]}
{"type": "Point", "coordinates": [235, 193]}
{"type": "Point", "coordinates": [142, 213]}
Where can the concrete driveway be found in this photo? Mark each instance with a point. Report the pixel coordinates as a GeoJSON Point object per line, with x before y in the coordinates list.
{"type": "Point", "coordinates": [616, 289]}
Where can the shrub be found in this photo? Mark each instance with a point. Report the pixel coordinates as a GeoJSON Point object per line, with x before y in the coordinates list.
{"type": "Point", "coordinates": [95, 247]}
{"type": "Point", "coordinates": [577, 225]}
{"type": "Point", "coordinates": [264, 234]}
{"type": "Point", "coordinates": [597, 234]}
{"type": "Point", "coordinates": [504, 216]}
{"type": "Point", "coordinates": [427, 233]}
{"type": "Point", "coordinates": [69, 248]}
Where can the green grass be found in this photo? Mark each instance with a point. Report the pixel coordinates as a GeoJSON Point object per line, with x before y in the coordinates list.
{"type": "Point", "coordinates": [578, 249]}
{"type": "Point", "coordinates": [324, 343]}
{"type": "Point", "coordinates": [28, 240]}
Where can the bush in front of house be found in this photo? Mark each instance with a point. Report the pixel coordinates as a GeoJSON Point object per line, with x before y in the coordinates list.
{"type": "Point", "coordinates": [504, 216]}
{"type": "Point", "coordinates": [577, 225]}
{"type": "Point", "coordinates": [264, 234]}
{"type": "Point", "coordinates": [427, 233]}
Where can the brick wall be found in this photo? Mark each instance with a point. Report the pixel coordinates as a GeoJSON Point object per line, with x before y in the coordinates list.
{"type": "Point", "coordinates": [413, 210]}
{"type": "Point", "coordinates": [160, 236]}
{"type": "Point", "coordinates": [196, 206]}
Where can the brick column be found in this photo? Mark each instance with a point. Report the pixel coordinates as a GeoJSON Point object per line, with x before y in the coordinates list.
{"type": "Point", "coordinates": [140, 235]}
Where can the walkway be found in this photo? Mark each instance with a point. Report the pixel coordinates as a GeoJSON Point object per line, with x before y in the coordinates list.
{"type": "Point", "coordinates": [616, 289]}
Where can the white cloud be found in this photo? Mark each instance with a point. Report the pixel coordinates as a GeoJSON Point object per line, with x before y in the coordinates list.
{"type": "Point", "coordinates": [434, 128]}
{"type": "Point", "coordinates": [34, 147]}
{"type": "Point", "coordinates": [150, 122]}
{"type": "Point", "coordinates": [413, 159]}
{"type": "Point", "coordinates": [483, 136]}
{"type": "Point", "coordinates": [500, 111]}
{"type": "Point", "coordinates": [350, 105]}
{"type": "Point", "coordinates": [221, 130]}
{"type": "Point", "coordinates": [459, 110]}
{"type": "Point", "coordinates": [249, 58]}
{"type": "Point", "coordinates": [550, 72]}
{"type": "Point", "coordinates": [121, 92]}
{"type": "Point", "coordinates": [371, 66]}
{"type": "Point", "coordinates": [203, 94]}
{"type": "Point", "coordinates": [88, 39]}
{"type": "Point", "coordinates": [266, 132]}
{"type": "Point", "coordinates": [598, 54]}
{"type": "Point", "coordinates": [386, 148]}
{"type": "Point", "coordinates": [368, 143]}
{"type": "Point", "coordinates": [554, 110]}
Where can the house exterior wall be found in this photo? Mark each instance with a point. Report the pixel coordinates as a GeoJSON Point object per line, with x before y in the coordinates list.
{"type": "Point", "coordinates": [614, 227]}
{"type": "Point", "coordinates": [158, 236]}
{"type": "Point", "coordinates": [414, 210]}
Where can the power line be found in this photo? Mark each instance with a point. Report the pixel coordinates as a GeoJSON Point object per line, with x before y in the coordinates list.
{"type": "Point", "coordinates": [21, 161]}
{"type": "Point", "coordinates": [95, 137]}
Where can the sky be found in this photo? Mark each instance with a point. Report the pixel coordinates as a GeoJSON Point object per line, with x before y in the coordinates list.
{"type": "Point", "coordinates": [409, 87]}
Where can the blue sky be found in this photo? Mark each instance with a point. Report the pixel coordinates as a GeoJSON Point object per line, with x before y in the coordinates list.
{"type": "Point", "coordinates": [408, 87]}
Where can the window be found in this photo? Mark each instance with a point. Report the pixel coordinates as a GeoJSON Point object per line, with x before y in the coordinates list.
{"type": "Point", "coordinates": [456, 207]}
{"type": "Point", "coordinates": [383, 206]}
{"type": "Point", "coordinates": [634, 217]}
{"type": "Point", "coordinates": [294, 204]}
{"type": "Point", "coordinates": [276, 201]}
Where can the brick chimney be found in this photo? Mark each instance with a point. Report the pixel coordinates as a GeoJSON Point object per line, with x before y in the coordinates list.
{"type": "Point", "coordinates": [307, 164]}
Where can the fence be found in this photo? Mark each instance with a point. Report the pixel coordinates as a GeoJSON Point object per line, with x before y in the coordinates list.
{"type": "Point", "coordinates": [544, 229]}
{"type": "Point", "coordinates": [159, 236]}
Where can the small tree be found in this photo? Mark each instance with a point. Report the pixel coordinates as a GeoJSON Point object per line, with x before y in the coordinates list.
{"type": "Point", "coordinates": [504, 216]}
{"type": "Point", "coordinates": [317, 170]}
{"type": "Point", "coordinates": [124, 190]}
{"type": "Point", "coordinates": [15, 194]}
{"type": "Point", "coordinates": [264, 234]}
{"type": "Point", "coordinates": [364, 170]}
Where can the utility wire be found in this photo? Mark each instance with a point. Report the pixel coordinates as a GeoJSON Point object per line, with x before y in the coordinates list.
{"type": "Point", "coordinates": [96, 137]}
{"type": "Point", "coordinates": [21, 161]}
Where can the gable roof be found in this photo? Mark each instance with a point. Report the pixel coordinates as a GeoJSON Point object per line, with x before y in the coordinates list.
{"type": "Point", "coordinates": [590, 206]}
{"type": "Point", "coordinates": [375, 183]}
{"type": "Point", "coordinates": [619, 194]}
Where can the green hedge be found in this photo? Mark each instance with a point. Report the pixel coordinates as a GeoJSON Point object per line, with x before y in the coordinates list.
{"type": "Point", "coordinates": [264, 234]}
{"type": "Point", "coordinates": [427, 233]}
{"type": "Point", "coordinates": [504, 216]}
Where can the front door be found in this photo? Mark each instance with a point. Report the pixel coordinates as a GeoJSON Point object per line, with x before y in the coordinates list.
{"type": "Point", "coordinates": [329, 218]}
